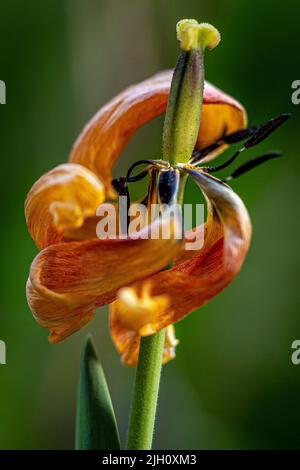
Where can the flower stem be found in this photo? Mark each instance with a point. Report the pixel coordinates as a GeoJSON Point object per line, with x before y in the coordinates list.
{"type": "Point", "coordinates": [145, 395]}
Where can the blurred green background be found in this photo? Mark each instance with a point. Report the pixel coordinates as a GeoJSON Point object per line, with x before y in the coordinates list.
{"type": "Point", "coordinates": [233, 385]}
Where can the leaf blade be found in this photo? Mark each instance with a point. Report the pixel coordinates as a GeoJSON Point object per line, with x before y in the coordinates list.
{"type": "Point", "coordinates": [96, 427]}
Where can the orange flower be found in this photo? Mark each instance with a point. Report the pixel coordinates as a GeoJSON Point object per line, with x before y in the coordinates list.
{"type": "Point", "coordinates": [150, 282]}
{"type": "Point", "coordinates": [76, 272]}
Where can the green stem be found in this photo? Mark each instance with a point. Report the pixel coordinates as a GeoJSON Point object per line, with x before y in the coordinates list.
{"type": "Point", "coordinates": [145, 395]}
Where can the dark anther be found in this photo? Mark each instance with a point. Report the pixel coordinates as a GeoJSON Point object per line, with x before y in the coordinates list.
{"type": "Point", "coordinates": [200, 154]}
{"type": "Point", "coordinates": [233, 138]}
{"type": "Point", "coordinates": [256, 134]}
{"type": "Point", "coordinates": [266, 129]}
{"type": "Point", "coordinates": [259, 135]}
{"type": "Point", "coordinates": [251, 164]}
{"type": "Point", "coordinates": [168, 185]}
{"type": "Point", "coordinates": [119, 184]}
{"type": "Point", "coordinates": [238, 136]}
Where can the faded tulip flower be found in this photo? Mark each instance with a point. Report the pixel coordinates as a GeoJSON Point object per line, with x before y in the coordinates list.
{"type": "Point", "coordinates": [150, 284]}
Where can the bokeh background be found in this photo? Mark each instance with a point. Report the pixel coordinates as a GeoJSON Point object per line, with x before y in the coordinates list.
{"type": "Point", "coordinates": [233, 385]}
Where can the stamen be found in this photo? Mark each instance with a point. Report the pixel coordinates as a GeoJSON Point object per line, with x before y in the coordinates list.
{"type": "Point", "coordinates": [144, 162]}
{"type": "Point", "coordinates": [266, 129]}
{"type": "Point", "coordinates": [251, 164]}
{"type": "Point", "coordinates": [242, 134]}
{"type": "Point", "coordinates": [151, 196]}
{"type": "Point", "coordinates": [119, 184]}
{"type": "Point", "coordinates": [200, 154]}
{"type": "Point", "coordinates": [256, 133]}
{"type": "Point", "coordinates": [152, 190]}
{"type": "Point", "coordinates": [139, 176]}
{"type": "Point", "coordinates": [213, 169]}
{"type": "Point", "coordinates": [261, 134]}
{"type": "Point", "coordinates": [233, 138]}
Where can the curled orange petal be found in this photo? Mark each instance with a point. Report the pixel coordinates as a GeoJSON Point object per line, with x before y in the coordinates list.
{"type": "Point", "coordinates": [69, 280]}
{"type": "Point", "coordinates": [127, 343]}
{"type": "Point", "coordinates": [59, 318]}
{"type": "Point", "coordinates": [197, 276]}
{"type": "Point", "coordinates": [104, 137]}
{"type": "Point", "coordinates": [62, 200]}
{"type": "Point", "coordinates": [136, 311]}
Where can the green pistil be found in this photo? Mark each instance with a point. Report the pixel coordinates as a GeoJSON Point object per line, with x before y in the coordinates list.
{"type": "Point", "coordinates": [182, 120]}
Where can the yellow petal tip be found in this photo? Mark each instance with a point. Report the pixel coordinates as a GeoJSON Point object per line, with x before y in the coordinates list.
{"type": "Point", "coordinates": [66, 215]}
{"type": "Point", "coordinates": [137, 311]}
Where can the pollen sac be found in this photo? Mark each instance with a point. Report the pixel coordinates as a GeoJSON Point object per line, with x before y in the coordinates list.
{"type": "Point", "coordinates": [266, 129]}
{"type": "Point", "coordinates": [119, 184]}
{"type": "Point", "coordinates": [168, 185]}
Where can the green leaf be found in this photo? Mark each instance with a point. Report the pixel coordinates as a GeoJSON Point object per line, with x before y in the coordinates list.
{"type": "Point", "coordinates": [96, 427]}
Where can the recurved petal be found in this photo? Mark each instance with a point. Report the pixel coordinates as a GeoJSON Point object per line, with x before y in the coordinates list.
{"type": "Point", "coordinates": [127, 342]}
{"type": "Point", "coordinates": [104, 137]}
{"type": "Point", "coordinates": [69, 280]}
{"type": "Point", "coordinates": [135, 311]}
{"type": "Point", "coordinates": [196, 278]}
{"type": "Point", "coordinates": [62, 200]}
{"type": "Point", "coordinates": [61, 319]}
